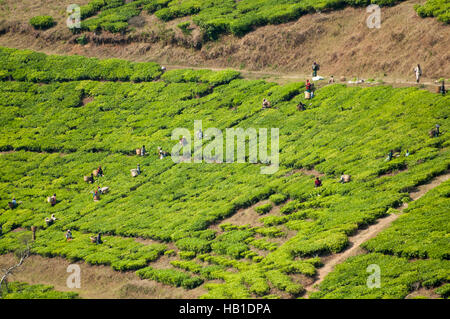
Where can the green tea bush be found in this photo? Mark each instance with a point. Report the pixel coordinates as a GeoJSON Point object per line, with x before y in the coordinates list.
{"type": "Point", "coordinates": [184, 27]}
{"type": "Point", "coordinates": [37, 67]}
{"type": "Point", "coordinates": [257, 283]}
{"type": "Point", "coordinates": [196, 245]}
{"type": "Point", "coordinates": [420, 232]}
{"type": "Point", "coordinates": [444, 291]}
{"type": "Point", "coordinates": [155, 5]}
{"type": "Point", "coordinates": [269, 231]}
{"type": "Point", "coordinates": [171, 277]}
{"type": "Point", "coordinates": [113, 17]}
{"type": "Point", "coordinates": [202, 76]}
{"type": "Point", "coordinates": [434, 8]}
{"type": "Point", "coordinates": [283, 282]}
{"type": "Point", "coordinates": [232, 243]}
{"type": "Point", "coordinates": [122, 254]}
{"type": "Point", "coordinates": [263, 209]}
{"type": "Point", "coordinates": [170, 252]}
{"type": "Point", "coordinates": [21, 290]}
{"type": "Point", "coordinates": [210, 272]}
{"type": "Point", "coordinates": [263, 244]}
{"type": "Point", "coordinates": [289, 207]}
{"type": "Point", "coordinates": [277, 199]}
{"type": "Point", "coordinates": [42, 22]}
{"type": "Point", "coordinates": [348, 280]}
{"type": "Point", "coordinates": [187, 255]}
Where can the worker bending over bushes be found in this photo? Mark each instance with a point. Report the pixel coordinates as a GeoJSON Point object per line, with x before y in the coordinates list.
{"type": "Point", "coordinates": [317, 182]}
{"type": "Point", "coordinates": [265, 104]}
{"type": "Point", "coordinates": [96, 239]}
{"type": "Point", "coordinates": [13, 204]}
{"type": "Point", "coordinates": [52, 200]}
{"type": "Point", "coordinates": [51, 220]}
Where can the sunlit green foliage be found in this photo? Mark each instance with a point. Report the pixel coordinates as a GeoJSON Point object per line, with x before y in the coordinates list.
{"type": "Point", "coordinates": [42, 22]}
{"type": "Point", "coordinates": [435, 8]}
{"type": "Point", "coordinates": [398, 277]}
{"type": "Point", "coordinates": [60, 130]}
{"type": "Point", "coordinates": [422, 232]}
{"type": "Point", "coordinates": [20, 290]}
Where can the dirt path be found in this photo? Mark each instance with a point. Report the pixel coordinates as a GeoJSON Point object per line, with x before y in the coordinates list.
{"type": "Point", "coordinates": [283, 78]}
{"type": "Point", "coordinates": [304, 171]}
{"type": "Point", "coordinates": [368, 233]}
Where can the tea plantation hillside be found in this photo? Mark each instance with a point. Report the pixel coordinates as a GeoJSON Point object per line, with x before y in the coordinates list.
{"type": "Point", "coordinates": [62, 117]}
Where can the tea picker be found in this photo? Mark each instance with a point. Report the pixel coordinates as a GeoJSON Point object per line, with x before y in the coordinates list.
{"type": "Point", "coordinates": [345, 178]}
{"type": "Point", "coordinates": [89, 179]}
{"type": "Point", "coordinates": [418, 72]}
{"type": "Point", "coordinates": [48, 221]}
{"type": "Point", "coordinates": [442, 88]}
{"type": "Point", "coordinates": [96, 239]}
{"type": "Point", "coordinates": [161, 153]}
{"type": "Point", "coordinates": [51, 220]}
{"type": "Point", "coordinates": [265, 104]}
{"type": "Point", "coordinates": [315, 68]}
{"type": "Point", "coordinates": [136, 171]}
{"type": "Point", "coordinates": [96, 195]}
{"type": "Point", "coordinates": [309, 93]}
{"type": "Point", "coordinates": [69, 235]}
{"type": "Point", "coordinates": [389, 156]}
{"type": "Point", "coordinates": [317, 182]}
{"type": "Point", "coordinates": [13, 204]}
{"type": "Point", "coordinates": [52, 200]}
{"type": "Point", "coordinates": [301, 106]}
{"type": "Point", "coordinates": [435, 132]}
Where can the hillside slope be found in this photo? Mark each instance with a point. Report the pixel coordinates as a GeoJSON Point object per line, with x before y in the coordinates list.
{"type": "Point", "coordinates": [340, 41]}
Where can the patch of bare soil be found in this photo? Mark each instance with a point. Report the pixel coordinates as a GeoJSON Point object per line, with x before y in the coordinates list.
{"type": "Point", "coordinates": [281, 240]}
{"type": "Point", "coordinates": [247, 216]}
{"type": "Point", "coordinates": [87, 100]}
{"type": "Point", "coordinates": [423, 292]}
{"type": "Point", "coordinates": [393, 173]}
{"type": "Point", "coordinates": [370, 232]}
{"type": "Point", "coordinates": [304, 171]}
{"type": "Point", "coordinates": [423, 189]}
{"type": "Point", "coordinates": [163, 262]}
{"type": "Point", "coordinates": [302, 279]}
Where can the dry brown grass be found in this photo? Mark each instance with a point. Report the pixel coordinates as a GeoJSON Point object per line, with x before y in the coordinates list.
{"type": "Point", "coordinates": [23, 10]}
{"type": "Point", "coordinates": [339, 41]}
